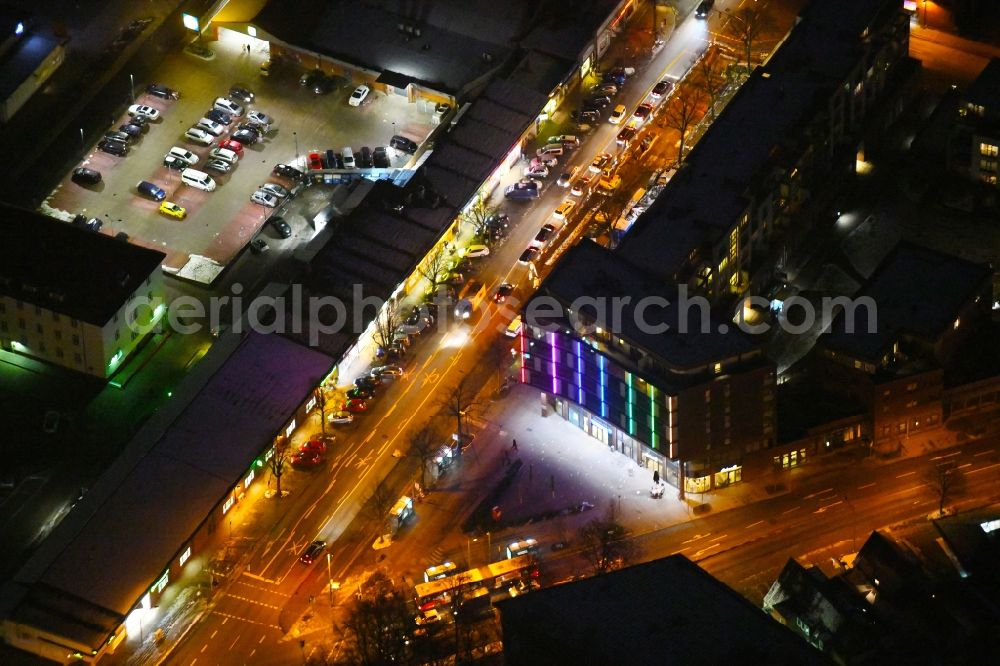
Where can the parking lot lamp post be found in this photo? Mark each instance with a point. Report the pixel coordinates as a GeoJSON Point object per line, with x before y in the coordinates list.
{"type": "Point", "coordinates": [83, 145]}
{"type": "Point", "coordinates": [329, 578]}
{"type": "Point", "coordinates": [131, 85]}
{"type": "Point", "coordinates": [296, 137]}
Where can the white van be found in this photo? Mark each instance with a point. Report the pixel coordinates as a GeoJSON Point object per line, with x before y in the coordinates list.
{"type": "Point", "coordinates": [348, 156]}
{"type": "Point", "coordinates": [198, 179]}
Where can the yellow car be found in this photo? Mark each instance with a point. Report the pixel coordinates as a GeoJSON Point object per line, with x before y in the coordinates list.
{"type": "Point", "coordinates": [173, 210]}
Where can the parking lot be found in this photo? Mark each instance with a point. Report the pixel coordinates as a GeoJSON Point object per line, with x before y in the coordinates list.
{"type": "Point", "coordinates": [220, 224]}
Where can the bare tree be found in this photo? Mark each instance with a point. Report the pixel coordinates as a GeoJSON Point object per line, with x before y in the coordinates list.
{"type": "Point", "coordinates": [605, 546]}
{"type": "Point", "coordinates": [711, 78]}
{"type": "Point", "coordinates": [945, 480]}
{"type": "Point", "coordinates": [435, 269]}
{"type": "Point", "coordinates": [682, 111]}
{"type": "Point", "coordinates": [379, 503]}
{"type": "Point", "coordinates": [386, 324]}
{"type": "Point", "coordinates": [745, 25]}
{"type": "Point", "coordinates": [323, 402]}
{"type": "Point", "coordinates": [479, 215]}
{"type": "Point", "coordinates": [279, 462]}
{"type": "Point", "coordinates": [606, 216]}
{"type": "Point", "coordinates": [458, 402]}
{"type": "Point", "coordinates": [379, 624]}
{"type": "Point", "coordinates": [424, 444]}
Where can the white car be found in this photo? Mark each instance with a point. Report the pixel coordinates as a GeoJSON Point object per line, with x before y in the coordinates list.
{"type": "Point", "coordinates": [143, 110]}
{"type": "Point", "coordinates": [210, 126]}
{"type": "Point", "coordinates": [340, 418]}
{"type": "Point", "coordinates": [275, 189]}
{"type": "Point", "coordinates": [228, 106]}
{"type": "Point", "coordinates": [359, 95]}
{"type": "Point", "coordinates": [264, 198]}
{"type": "Point", "coordinates": [199, 135]}
{"type": "Point", "coordinates": [183, 155]}
{"type": "Point", "coordinates": [259, 118]}
{"type": "Point", "coordinates": [225, 155]}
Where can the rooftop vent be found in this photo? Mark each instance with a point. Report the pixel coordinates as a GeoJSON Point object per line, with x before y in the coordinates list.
{"type": "Point", "coordinates": [487, 56]}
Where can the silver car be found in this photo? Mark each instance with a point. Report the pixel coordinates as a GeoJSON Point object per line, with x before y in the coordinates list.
{"type": "Point", "coordinates": [275, 189]}
{"type": "Point", "coordinates": [264, 198]}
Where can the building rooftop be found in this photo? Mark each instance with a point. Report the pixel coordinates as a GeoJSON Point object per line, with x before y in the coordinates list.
{"type": "Point", "coordinates": [77, 273]}
{"type": "Point", "coordinates": [660, 612]}
{"type": "Point", "coordinates": [435, 47]}
{"type": "Point", "coordinates": [590, 271]}
{"type": "Point", "coordinates": [985, 90]}
{"type": "Point", "coordinates": [23, 60]}
{"type": "Point", "coordinates": [917, 292]}
{"type": "Point", "coordinates": [761, 125]}
{"type": "Point", "coordinates": [565, 34]}
{"type": "Point", "coordinates": [173, 474]}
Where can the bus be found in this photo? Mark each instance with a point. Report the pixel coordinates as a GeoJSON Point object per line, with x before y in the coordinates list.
{"type": "Point", "coordinates": [490, 577]}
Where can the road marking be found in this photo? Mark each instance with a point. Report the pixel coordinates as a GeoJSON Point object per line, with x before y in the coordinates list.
{"type": "Point", "coordinates": [720, 537]}
{"type": "Point", "coordinates": [228, 616]}
{"type": "Point", "coordinates": [754, 524]}
{"type": "Point", "coordinates": [213, 634]}
{"type": "Point", "coordinates": [204, 647]}
{"type": "Point", "coordinates": [828, 506]}
{"type": "Point", "coordinates": [233, 644]}
{"type": "Point", "coordinates": [308, 511]}
{"type": "Point", "coordinates": [252, 652]}
{"type": "Point", "coordinates": [254, 601]}
{"type": "Point", "coordinates": [906, 474]}
{"type": "Point", "coordinates": [822, 492]}
{"type": "Point", "coordinates": [965, 465]}
{"type": "Point", "coordinates": [947, 455]}
{"type": "Point", "coordinates": [867, 485]}
{"type": "Point", "coordinates": [696, 537]}
{"type": "Point", "coordinates": [983, 469]}
{"type": "Point", "coordinates": [707, 548]}
{"type": "Point", "coordinates": [790, 510]}
{"type": "Point", "coordinates": [262, 637]}
{"type": "Point", "coordinates": [983, 453]}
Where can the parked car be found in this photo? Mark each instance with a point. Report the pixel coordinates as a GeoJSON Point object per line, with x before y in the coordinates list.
{"type": "Point", "coordinates": [246, 137]}
{"type": "Point", "coordinates": [264, 198]}
{"type": "Point", "coordinates": [313, 446]}
{"type": "Point", "coordinates": [544, 235]}
{"type": "Point", "coordinates": [564, 209]}
{"type": "Point", "coordinates": [233, 145]}
{"type": "Point", "coordinates": [540, 171]}
{"type": "Point", "coordinates": [597, 101]}
{"type": "Point", "coordinates": [241, 93]}
{"type": "Point", "coordinates": [365, 158]}
{"type": "Point", "coordinates": [143, 110]}
{"type": "Point", "coordinates": [565, 140]}
{"type": "Point", "coordinates": [626, 134]}
{"type": "Point", "coordinates": [228, 106]}
{"type": "Point", "coordinates": [585, 116]}
{"type": "Point", "coordinates": [368, 381]}
{"type": "Point", "coordinates": [275, 189]}
{"type": "Point", "coordinates": [477, 250]}
{"type": "Point", "coordinates": [550, 150]}
{"type": "Point", "coordinates": [251, 127]}
{"type": "Point", "coordinates": [642, 112]}
{"type": "Point", "coordinates": [386, 371]}
{"type": "Point", "coordinates": [151, 190]}
{"type": "Point", "coordinates": [170, 209]}
{"type": "Point", "coordinates": [355, 406]}
{"type": "Point", "coordinates": [200, 136]}
{"type": "Point", "coordinates": [281, 226]}
{"type": "Point", "coordinates": [309, 78]}
{"type": "Point", "coordinates": [116, 148]}
{"type": "Point", "coordinates": [359, 393]}
{"type": "Point", "coordinates": [359, 95]}
{"type": "Point", "coordinates": [141, 121]}
{"type": "Point", "coordinates": [529, 255]}
{"type": "Point", "coordinates": [219, 116]}
{"type": "Point", "coordinates": [259, 246]}
{"type": "Point", "coordinates": [86, 176]}
{"type": "Point", "coordinates": [617, 115]}
{"type": "Point", "coordinates": [340, 418]}
{"type": "Point", "coordinates": [161, 91]}
{"type": "Point", "coordinates": [174, 163]}
{"type": "Point", "coordinates": [523, 190]}
{"type": "Point", "coordinates": [544, 160]}
{"type": "Point", "coordinates": [117, 136]}
{"type": "Point", "coordinates": [224, 154]}
{"type": "Point", "coordinates": [606, 89]}
{"type": "Point", "coordinates": [88, 224]}
{"type": "Point", "coordinates": [286, 171]}
{"type": "Point", "coordinates": [380, 158]}
{"type": "Point", "coordinates": [315, 161]}
{"type": "Point", "coordinates": [566, 177]}
{"type": "Point", "coordinates": [403, 144]}
{"type": "Point", "coordinates": [323, 85]}
{"type": "Point", "coordinates": [183, 155]}
{"type": "Point", "coordinates": [662, 89]}
{"type": "Point", "coordinates": [133, 131]}
{"type": "Point", "coordinates": [210, 126]}
{"type": "Point", "coordinates": [600, 161]}
{"type": "Point", "coordinates": [582, 184]}
{"type": "Point", "coordinates": [703, 9]}
{"type": "Point", "coordinates": [219, 166]}
{"type": "Point", "coordinates": [306, 459]}
{"type": "Point", "coordinates": [260, 118]}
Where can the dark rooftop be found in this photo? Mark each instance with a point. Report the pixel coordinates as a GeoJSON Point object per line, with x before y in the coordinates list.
{"type": "Point", "coordinates": [564, 34]}
{"type": "Point", "coordinates": [760, 125]}
{"type": "Point", "coordinates": [661, 612]}
{"type": "Point", "coordinates": [589, 271]}
{"type": "Point", "coordinates": [81, 274]}
{"type": "Point", "coordinates": [917, 292]}
{"type": "Point", "coordinates": [985, 90]}
{"type": "Point", "coordinates": [175, 471]}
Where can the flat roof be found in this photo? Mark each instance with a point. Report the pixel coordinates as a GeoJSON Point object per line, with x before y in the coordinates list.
{"type": "Point", "coordinates": [659, 612]}
{"type": "Point", "coordinates": [368, 34]}
{"type": "Point", "coordinates": [763, 124]}
{"type": "Point", "coordinates": [81, 274]}
{"type": "Point", "coordinates": [174, 473]}
{"type": "Point", "coordinates": [565, 34]}
{"type": "Point", "coordinates": [917, 291]}
{"type": "Point", "coordinates": [23, 60]}
{"type": "Point", "coordinates": [985, 90]}
{"type": "Point", "coordinates": [590, 271]}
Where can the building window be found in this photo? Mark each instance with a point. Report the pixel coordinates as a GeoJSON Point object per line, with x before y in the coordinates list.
{"type": "Point", "coordinates": [988, 149]}
{"type": "Point", "coordinates": [77, 359]}
{"type": "Point", "coordinates": [59, 353]}
{"type": "Point", "coordinates": [3, 326]}
{"type": "Point", "coordinates": [988, 165]}
{"type": "Point", "coordinates": [38, 311]}
{"type": "Point", "coordinates": [76, 340]}
{"type": "Point", "coordinates": [73, 323]}
{"type": "Point", "coordinates": [58, 335]}
{"type": "Point", "coordinates": [39, 329]}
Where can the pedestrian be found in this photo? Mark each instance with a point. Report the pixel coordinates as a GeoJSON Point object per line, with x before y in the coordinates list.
{"type": "Point", "coordinates": [514, 446]}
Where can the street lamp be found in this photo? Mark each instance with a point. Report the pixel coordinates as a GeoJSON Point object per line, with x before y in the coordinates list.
{"type": "Point", "coordinates": [295, 136]}
{"type": "Point", "coordinates": [131, 83]}
{"type": "Point", "coordinates": [329, 578]}
{"type": "Point", "coordinates": [83, 145]}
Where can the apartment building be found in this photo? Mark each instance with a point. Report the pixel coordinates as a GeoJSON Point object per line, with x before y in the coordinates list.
{"type": "Point", "coordinates": [75, 298]}
{"type": "Point", "coordinates": [974, 147]}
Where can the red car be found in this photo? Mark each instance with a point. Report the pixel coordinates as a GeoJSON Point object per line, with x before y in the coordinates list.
{"type": "Point", "coordinates": [306, 459]}
{"type": "Point", "coordinates": [315, 161]}
{"type": "Point", "coordinates": [234, 146]}
{"type": "Point", "coordinates": [313, 446]}
{"type": "Point", "coordinates": [355, 406]}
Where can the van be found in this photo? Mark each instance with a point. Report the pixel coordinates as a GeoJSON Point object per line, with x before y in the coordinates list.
{"type": "Point", "coordinates": [197, 179]}
{"type": "Point", "coordinates": [348, 157]}
{"type": "Point", "coordinates": [440, 571]}
{"type": "Point", "coordinates": [522, 547]}
{"type": "Point", "coordinates": [185, 156]}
